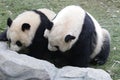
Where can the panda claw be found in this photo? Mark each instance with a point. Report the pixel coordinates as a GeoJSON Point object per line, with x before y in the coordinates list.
{"type": "Point", "coordinates": [97, 61]}
{"type": "Point", "coordinates": [100, 62]}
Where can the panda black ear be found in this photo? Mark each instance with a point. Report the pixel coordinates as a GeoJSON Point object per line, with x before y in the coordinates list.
{"type": "Point", "coordinates": [49, 27]}
{"type": "Point", "coordinates": [69, 38]}
{"type": "Point", "coordinates": [25, 26]}
{"type": "Point", "coordinates": [9, 22]}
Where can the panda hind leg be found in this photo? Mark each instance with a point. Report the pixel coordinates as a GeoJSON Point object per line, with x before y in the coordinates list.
{"type": "Point", "coordinates": [101, 58]}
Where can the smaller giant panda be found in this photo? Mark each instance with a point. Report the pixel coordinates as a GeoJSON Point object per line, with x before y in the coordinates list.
{"type": "Point", "coordinates": [77, 34]}
{"type": "Point", "coordinates": [26, 31]}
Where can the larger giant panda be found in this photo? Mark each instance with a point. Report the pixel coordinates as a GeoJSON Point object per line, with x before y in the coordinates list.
{"type": "Point", "coordinates": [26, 31]}
{"type": "Point", "coordinates": [77, 34]}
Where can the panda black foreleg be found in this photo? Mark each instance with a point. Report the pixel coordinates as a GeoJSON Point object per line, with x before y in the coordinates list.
{"type": "Point", "coordinates": [80, 61]}
{"type": "Point", "coordinates": [82, 50]}
{"type": "Point", "coordinates": [81, 55]}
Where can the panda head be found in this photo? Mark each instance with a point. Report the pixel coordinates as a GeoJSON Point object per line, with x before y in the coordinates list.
{"type": "Point", "coordinates": [22, 30]}
{"type": "Point", "coordinates": [19, 34]}
{"type": "Point", "coordinates": [67, 26]}
{"type": "Point", "coordinates": [62, 42]}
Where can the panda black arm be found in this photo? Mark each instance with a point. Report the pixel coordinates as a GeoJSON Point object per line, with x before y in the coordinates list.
{"type": "Point", "coordinates": [82, 50]}
{"type": "Point", "coordinates": [85, 44]}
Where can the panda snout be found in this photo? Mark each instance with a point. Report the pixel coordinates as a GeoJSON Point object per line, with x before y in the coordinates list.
{"type": "Point", "coordinates": [14, 48]}
{"type": "Point", "coordinates": [57, 47]}
{"type": "Point", "coordinates": [51, 48]}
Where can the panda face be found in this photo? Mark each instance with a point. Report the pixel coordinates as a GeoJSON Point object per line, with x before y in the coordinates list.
{"type": "Point", "coordinates": [21, 30]}
{"type": "Point", "coordinates": [60, 43]}
{"type": "Point", "coordinates": [19, 39]}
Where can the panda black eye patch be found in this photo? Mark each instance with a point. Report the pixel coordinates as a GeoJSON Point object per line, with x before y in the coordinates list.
{"type": "Point", "coordinates": [18, 43]}
{"type": "Point", "coordinates": [25, 26]}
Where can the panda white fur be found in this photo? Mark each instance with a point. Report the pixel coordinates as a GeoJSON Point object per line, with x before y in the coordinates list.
{"type": "Point", "coordinates": [26, 31]}
{"type": "Point", "coordinates": [77, 34]}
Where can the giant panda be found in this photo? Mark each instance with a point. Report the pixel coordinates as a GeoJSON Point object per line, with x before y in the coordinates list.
{"type": "Point", "coordinates": [78, 35]}
{"type": "Point", "coordinates": [26, 31]}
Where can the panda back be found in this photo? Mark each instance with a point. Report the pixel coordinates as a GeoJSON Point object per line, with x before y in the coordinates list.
{"type": "Point", "coordinates": [99, 38]}
{"type": "Point", "coordinates": [50, 14]}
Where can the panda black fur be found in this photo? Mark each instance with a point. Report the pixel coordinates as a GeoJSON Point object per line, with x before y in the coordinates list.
{"type": "Point", "coordinates": [27, 30]}
{"type": "Point", "coordinates": [77, 34]}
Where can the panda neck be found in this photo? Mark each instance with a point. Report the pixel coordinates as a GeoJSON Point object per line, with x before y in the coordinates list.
{"type": "Point", "coordinates": [39, 38]}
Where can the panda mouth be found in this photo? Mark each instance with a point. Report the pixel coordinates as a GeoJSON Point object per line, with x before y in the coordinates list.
{"type": "Point", "coordinates": [23, 50]}
{"type": "Point", "coordinates": [8, 42]}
